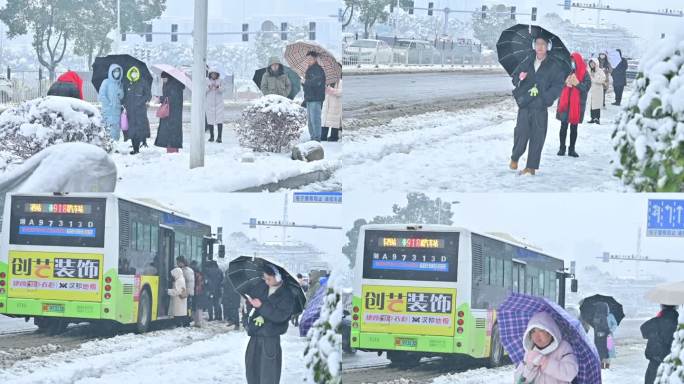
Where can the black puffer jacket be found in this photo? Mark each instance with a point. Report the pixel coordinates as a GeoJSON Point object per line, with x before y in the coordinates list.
{"type": "Point", "coordinates": [659, 331]}
{"type": "Point", "coordinates": [314, 84]}
{"type": "Point", "coordinates": [275, 309]}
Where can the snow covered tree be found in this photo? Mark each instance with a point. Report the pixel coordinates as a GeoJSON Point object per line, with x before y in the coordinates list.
{"type": "Point", "coordinates": [649, 136]}
{"type": "Point", "coordinates": [271, 124]}
{"type": "Point", "coordinates": [489, 29]}
{"type": "Point", "coordinates": [420, 209]}
{"type": "Point", "coordinates": [671, 370]}
{"type": "Point", "coordinates": [37, 124]}
{"type": "Point", "coordinates": [323, 354]}
{"type": "Point", "coordinates": [371, 12]}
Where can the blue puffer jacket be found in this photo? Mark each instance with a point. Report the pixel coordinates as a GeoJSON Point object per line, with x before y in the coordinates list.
{"type": "Point", "coordinates": [110, 95]}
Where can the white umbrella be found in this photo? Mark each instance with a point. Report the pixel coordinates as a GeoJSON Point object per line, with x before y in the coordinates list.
{"type": "Point", "coordinates": [667, 294]}
{"type": "Point", "coordinates": [614, 58]}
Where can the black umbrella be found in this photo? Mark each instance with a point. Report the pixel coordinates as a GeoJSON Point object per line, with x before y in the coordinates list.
{"type": "Point", "coordinates": [245, 272]}
{"type": "Point", "coordinates": [516, 46]}
{"type": "Point", "coordinates": [588, 307]}
{"type": "Point", "coordinates": [101, 68]}
{"type": "Point", "coordinates": [292, 75]}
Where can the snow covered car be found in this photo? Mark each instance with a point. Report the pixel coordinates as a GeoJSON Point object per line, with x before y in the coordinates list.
{"type": "Point", "coordinates": [367, 51]}
{"type": "Point", "coordinates": [415, 52]}
{"type": "Point", "coordinates": [6, 90]}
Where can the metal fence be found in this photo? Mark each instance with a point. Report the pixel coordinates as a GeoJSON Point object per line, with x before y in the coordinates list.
{"type": "Point", "coordinates": [409, 52]}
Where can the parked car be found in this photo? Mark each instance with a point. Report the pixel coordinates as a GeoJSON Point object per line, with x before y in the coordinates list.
{"type": "Point", "coordinates": [6, 90]}
{"type": "Point", "coordinates": [367, 51]}
{"type": "Point", "coordinates": [415, 52]}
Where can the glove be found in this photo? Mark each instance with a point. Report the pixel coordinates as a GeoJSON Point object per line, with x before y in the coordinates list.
{"type": "Point", "coordinates": [259, 321]}
{"type": "Point", "coordinates": [534, 91]}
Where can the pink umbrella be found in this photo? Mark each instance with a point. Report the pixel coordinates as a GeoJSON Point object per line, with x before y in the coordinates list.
{"type": "Point", "coordinates": [173, 72]}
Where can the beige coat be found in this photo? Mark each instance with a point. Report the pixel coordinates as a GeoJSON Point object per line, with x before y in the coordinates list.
{"type": "Point", "coordinates": [598, 79]}
{"type": "Point", "coordinates": [215, 106]}
{"type": "Point", "coordinates": [179, 295]}
{"type": "Point", "coordinates": [332, 106]}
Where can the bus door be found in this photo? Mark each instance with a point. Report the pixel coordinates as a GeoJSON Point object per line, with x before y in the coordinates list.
{"type": "Point", "coordinates": [166, 261]}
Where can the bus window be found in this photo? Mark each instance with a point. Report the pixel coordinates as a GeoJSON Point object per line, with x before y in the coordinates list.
{"type": "Point", "coordinates": [516, 278]}
{"type": "Point", "coordinates": [154, 239]}
{"type": "Point", "coordinates": [140, 230]}
{"type": "Point", "coordinates": [134, 238]}
{"type": "Point", "coordinates": [487, 270]}
{"type": "Point", "coordinates": [508, 273]}
{"type": "Point", "coordinates": [146, 238]}
{"type": "Point", "coordinates": [401, 255]}
{"type": "Point", "coordinates": [542, 281]}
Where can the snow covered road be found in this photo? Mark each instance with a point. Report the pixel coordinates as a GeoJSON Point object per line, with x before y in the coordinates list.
{"type": "Point", "coordinates": [184, 355]}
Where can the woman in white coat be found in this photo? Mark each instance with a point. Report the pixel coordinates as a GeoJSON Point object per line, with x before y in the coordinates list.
{"type": "Point", "coordinates": [214, 105]}
{"type": "Point", "coordinates": [598, 80]}
{"type": "Point", "coordinates": [179, 296]}
{"type": "Point", "coordinates": [332, 112]}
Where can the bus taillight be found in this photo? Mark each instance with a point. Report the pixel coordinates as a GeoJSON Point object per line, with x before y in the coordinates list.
{"type": "Point", "coordinates": [2, 275]}
{"type": "Point", "coordinates": [108, 288]}
{"type": "Point", "coordinates": [2, 283]}
{"type": "Point", "coordinates": [108, 280]}
{"type": "Point", "coordinates": [355, 317]}
{"type": "Point", "coordinates": [460, 321]}
{"type": "Point", "coordinates": [356, 309]}
{"type": "Point", "coordinates": [459, 330]}
{"type": "Point", "coordinates": [461, 314]}
{"type": "Point", "coordinates": [108, 295]}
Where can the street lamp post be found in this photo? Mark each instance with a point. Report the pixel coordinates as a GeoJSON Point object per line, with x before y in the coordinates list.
{"type": "Point", "coordinates": [199, 38]}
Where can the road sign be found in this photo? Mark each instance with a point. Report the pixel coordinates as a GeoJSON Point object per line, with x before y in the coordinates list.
{"type": "Point", "coordinates": [317, 197]}
{"type": "Point", "coordinates": [665, 218]}
{"type": "Point", "coordinates": [567, 5]}
{"type": "Point", "coordinates": [252, 222]}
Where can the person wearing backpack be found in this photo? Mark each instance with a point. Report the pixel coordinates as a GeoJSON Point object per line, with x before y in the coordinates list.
{"type": "Point", "coordinates": [659, 331]}
{"type": "Point", "coordinates": [601, 331]}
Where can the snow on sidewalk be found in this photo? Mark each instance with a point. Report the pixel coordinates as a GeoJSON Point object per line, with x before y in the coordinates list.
{"type": "Point", "coordinates": [469, 151]}
{"type": "Point", "coordinates": [184, 355]}
{"type": "Point", "coordinates": [153, 171]}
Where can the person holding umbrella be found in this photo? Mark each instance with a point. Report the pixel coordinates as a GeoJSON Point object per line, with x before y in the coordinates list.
{"type": "Point", "coordinates": [314, 94]}
{"type": "Point", "coordinates": [270, 306]}
{"type": "Point", "coordinates": [548, 358]}
{"type": "Point", "coordinates": [659, 331]}
{"type": "Point", "coordinates": [170, 132]}
{"type": "Point", "coordinates": [275, 81]}
{"type": "Point", "coordinates": [110, 95]}
{"type": "Point", "coordinates": [547, 79]}
{"type": "Point", "coordinates": [572, 103]}
{"type": "Point", "coordinates": [136, 97]}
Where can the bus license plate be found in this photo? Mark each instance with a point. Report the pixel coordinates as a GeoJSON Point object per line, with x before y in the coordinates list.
{"type": "Point", "coordinates": [53, 308]}
{"type": "Point", "coordinates": [404, 342]}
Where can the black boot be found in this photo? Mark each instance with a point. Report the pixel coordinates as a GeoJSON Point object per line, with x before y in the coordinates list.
{"type": "Point", "coordinates": [571, 152]}
{"type": "Point", "coordinates": [561, 150]}
{"type": "Point", "coordinates": [211, 132]}
{"type": "Point", "coordinates": [220, 132]}
{"type": "Point", "coordinates": [334, 134]}
{"type": "Point", "coordinates": [324, 133]}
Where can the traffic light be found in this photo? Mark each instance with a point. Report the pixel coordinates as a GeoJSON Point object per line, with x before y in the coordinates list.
{"type": "Point", "coordinates": [484, 12]}
{"type": "Point", "coordinates": [410, 10]}
{"type": "Point", "coordinates": [606, 257]}
{"type": "Point", "coordinates": [283, 31]}
{"type": "Point", "coordinates": [174, 33]}
{"type": "Point", "coordinates": [312, 31]}
{"type": "Point", "coordinates": [245, 30]}
{"type": "Point", "coordinates": [393, 3]}
{"type": "Point", "coordinates": [534, 13]}
{"type": "Point", "coordinates": [148, 33]}
{"type": "Point", "coordinates": [431, 5]}
{"type": "Point", "coordinates": [567, 5]}
{"type": "Point", "coordinates": [513, 12]}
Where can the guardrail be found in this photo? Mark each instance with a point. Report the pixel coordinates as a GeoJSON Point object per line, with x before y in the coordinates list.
{"type": "Point", "coordinates": [359, 56]}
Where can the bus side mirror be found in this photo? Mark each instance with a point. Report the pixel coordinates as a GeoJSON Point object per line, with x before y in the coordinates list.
{"type": "Point", "coordinates": [573, 286]}
{"type": "Point", "coordinates": [222, 251]}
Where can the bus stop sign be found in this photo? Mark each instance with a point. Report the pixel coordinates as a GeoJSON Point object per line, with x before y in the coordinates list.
{"type": "Point", "coordinates": [665, 218]}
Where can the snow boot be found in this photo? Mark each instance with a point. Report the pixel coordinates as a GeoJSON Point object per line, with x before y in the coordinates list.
{"type": "Point", "coordinates": [561, 150]}
{"type": "Point", "coordinates": [528, 171]}
{"type": "Point", "coordinates": [571, 152]}
{"type": "Point", "coordinates": [513, 165]}
{"type": "Point", "coordinates": [220, 133]}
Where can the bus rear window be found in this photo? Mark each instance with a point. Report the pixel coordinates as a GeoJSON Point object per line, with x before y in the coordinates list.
{"type": "Point", "coordinates": [404, 255]}
{"type": "Point", "coordinates": [57, 221]}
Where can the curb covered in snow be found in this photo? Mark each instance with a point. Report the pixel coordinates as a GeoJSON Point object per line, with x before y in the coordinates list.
{"type": "Point", "coordinates": [347, 71]}
{"type": "Point", "coordinates": [293, 182]}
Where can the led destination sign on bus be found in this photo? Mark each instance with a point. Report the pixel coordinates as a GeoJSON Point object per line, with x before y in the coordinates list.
{"type": "Point", "coordinates": [410, 242]}
{"type": "Point", "coordinates": [410, 262]}
{"type": "Point", "coordinates": [84, 209]}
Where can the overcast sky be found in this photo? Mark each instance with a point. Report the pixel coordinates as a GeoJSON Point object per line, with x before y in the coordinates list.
{"type": "Point", "coordinates": [571, 226]}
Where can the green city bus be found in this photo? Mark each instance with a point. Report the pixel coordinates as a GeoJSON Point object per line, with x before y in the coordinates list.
{"type": "Point", "coordinates": [92, 257]}
{"type": "Point", "coordinates": [433, 290]}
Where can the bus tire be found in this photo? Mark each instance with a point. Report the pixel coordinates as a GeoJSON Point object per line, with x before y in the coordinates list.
{"type": "Point", "coordinates": [42, 324]}
{"type": "Point", "coordinates": [142, 325]}
{"type": "Point", "coordinates": [56, 326]}
{"type": "Point", "coordinates": [403, 359]}
{"type": "Point", "coordinates": [496, 351]}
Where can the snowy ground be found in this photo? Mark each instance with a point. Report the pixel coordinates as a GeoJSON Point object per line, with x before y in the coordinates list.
{"type": "Point", "coordinates": [469, 151]}
{"type": "Point", "coordinates": [213, 354]}
{"type": "Point", "coordinates": [10, 324]}
{"type": "Point", "coordinates": [368, 69]}
{"type": "Point", "coordinates": [153, 171]}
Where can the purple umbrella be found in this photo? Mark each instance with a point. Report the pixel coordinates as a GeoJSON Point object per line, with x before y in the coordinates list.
{"type": "Point", "coordinates": [313, 310]}
{"type": "Point", "coordinates": [513, 316]}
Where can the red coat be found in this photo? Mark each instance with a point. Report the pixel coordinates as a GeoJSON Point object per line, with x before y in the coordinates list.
{"type": "Point", "coordinates": [74, 78]}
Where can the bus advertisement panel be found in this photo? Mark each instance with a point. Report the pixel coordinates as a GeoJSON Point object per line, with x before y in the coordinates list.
{"type": "Point", "coordinates": [55, 275]}
{"type": "Point", "coordinates": [408, 310]}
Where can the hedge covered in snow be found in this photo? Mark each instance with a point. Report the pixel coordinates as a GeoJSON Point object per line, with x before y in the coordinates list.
{"type": "Point", "coordinates": [649, 137]}
{"type": "Point", "coordinates": [271, 124]}
{"type": "Point", "coordinates": [323, 354]}
{"type": "Point", "coordinates": [37, 124]}
{"type": "Point", "coordinates": [671, 371]}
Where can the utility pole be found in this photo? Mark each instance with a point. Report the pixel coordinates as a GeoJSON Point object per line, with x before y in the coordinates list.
{"type": "Point", "coordinates": [285, 219]}
{"type": "Point", "coordinates": [199, 38]}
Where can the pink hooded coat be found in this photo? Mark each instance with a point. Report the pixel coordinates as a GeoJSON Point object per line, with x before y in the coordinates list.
{"type": "Point", "coordinates": [555, 364]}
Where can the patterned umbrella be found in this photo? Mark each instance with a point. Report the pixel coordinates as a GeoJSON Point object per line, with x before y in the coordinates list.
{"type": "Point", "coordinates": [295, 55]}
{"type": "Point", "coordinates": [513, 316]}
{"type": "Point", "coordinates": [313, 310]}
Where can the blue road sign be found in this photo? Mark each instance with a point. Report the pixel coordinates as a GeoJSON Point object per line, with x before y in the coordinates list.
{"type": "Point", "coordinates": [252, 222]}
{"type": "Point", "coordinates": [665, 218]}
{"type": "Point", "coordinates": [567, 5]}
{"type": "Point", "coordinates": [317, 197]}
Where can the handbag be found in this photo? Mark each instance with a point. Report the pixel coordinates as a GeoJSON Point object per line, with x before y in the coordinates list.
{"type": "Point", "coordinates": [124, 120]}
{"type": "Point", "coordinates": [164, 110]}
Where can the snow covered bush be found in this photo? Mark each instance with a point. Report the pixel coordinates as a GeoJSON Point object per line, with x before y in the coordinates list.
{"type": "Point", "coordinates": [323, 354]}
{"type": "Point", "coordinates": [649, 137]}
{"type": "Point", "coordinates": [37, 124]}
{"type": "Point", "coordinates": [671, 370]}
{"type": "Point", "coordinates": [271, 124]}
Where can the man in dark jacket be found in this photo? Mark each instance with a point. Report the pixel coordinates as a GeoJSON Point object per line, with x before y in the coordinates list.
{"type": "Point", "coordinates": [659, 331]}
{"type": "Point", "coordinates": [619, 78]}
{"type": "Point", "coordinates": [213, 284]}
{"type": "Point", "coordinates": [541, 79]}
{"type": "Point", "coordinates": [231, 302]}
{"type": "Point", "coordinates": [271, 307]}
{"type": "Point", "coordinates": [314, 95]}
{"type": "Point", "coordinates": [138, 94]}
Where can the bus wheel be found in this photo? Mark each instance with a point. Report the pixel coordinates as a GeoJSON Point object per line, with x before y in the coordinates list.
{"type": "Point", "coordinates": [55, 326]}
{"type": "Point", "coordinates": [496, 353]}
{"type": "Point", "coordinates": [403, 359]}
{"type": "Point", "coordinates": [144, 312]}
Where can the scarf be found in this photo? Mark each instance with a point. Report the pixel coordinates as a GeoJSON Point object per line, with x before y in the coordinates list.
{"type": "Point", "coordinates": [570, 97]}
